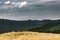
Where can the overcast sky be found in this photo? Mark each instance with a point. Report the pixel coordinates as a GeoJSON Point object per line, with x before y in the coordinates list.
{"type": "Point", "coordinates": [29, 9]}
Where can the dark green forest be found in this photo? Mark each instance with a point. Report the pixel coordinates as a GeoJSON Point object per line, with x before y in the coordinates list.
{"type": "Point", "coordinates": [49, 26]}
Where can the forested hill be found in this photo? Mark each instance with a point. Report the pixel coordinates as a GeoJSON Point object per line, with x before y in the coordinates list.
{"type": "Point", "coordinates": [51, 27]}
{"type": "Point", "coordinates": [29, 25]}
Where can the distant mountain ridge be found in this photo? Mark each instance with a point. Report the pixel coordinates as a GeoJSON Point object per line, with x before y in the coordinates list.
{"type": "Point", "coordinates": [29, 25]}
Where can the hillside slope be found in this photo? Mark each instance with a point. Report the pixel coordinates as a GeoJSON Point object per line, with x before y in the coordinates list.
{"type": "Point", "coordinates": [29, 36]}
{"type": "Point", "coordinates": [12, 25]}
{"type": "Point", "coordinates": [53, 27]}
{"type": "Point", "coordinates": [30, 25]}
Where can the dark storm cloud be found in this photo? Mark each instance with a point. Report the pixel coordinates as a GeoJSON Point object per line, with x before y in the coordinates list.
{"type": "Point", "coordinates": [34, 10]}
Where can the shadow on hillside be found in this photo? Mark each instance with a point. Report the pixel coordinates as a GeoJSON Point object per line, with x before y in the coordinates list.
{"type": "Point", "coordinates": [49, 26]}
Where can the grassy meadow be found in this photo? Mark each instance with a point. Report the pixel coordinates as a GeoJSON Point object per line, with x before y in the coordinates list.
{"type": "Point", "coordinates": [29, 36]}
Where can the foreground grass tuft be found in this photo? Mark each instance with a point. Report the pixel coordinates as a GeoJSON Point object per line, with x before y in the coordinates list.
{"type": "Point", "coordinates": [29, 36]}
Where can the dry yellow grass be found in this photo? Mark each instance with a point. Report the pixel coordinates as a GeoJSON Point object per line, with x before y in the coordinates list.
{"type": "Point", "coordinates": [29, 36]}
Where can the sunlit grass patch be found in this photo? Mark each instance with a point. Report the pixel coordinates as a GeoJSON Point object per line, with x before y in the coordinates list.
{"type": "Point", "coordinates": [29, 36]}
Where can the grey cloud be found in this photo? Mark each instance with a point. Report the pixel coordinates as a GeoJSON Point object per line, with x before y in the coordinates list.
{"type": "Point", "coordinates": [34, 11]}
